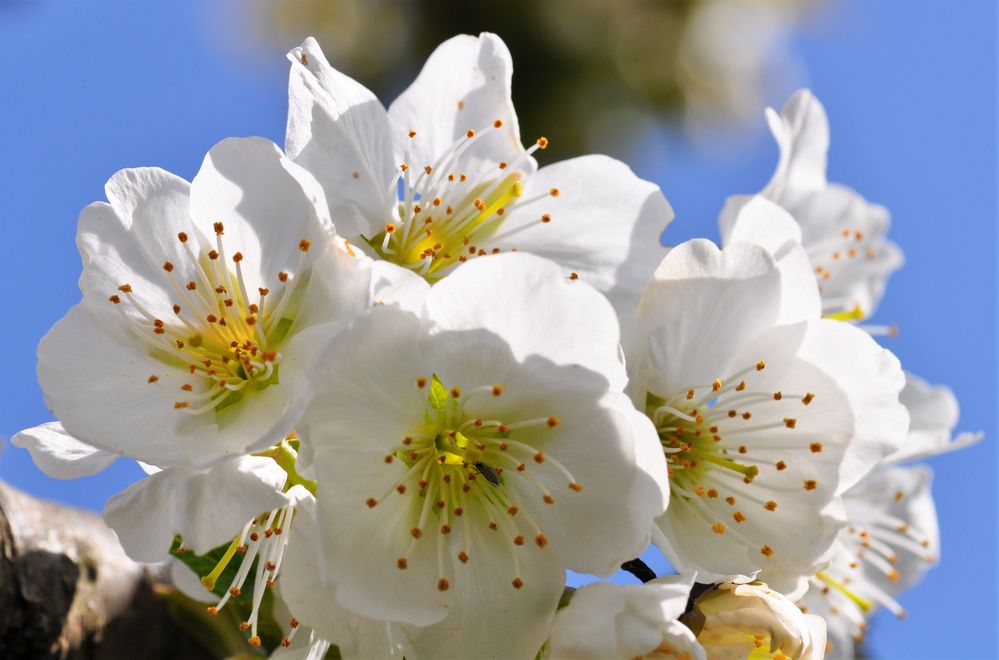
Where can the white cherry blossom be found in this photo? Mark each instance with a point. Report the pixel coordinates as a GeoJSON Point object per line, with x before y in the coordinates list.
{"type": "Point", "coordinates": [843, 234]}
{"type": "Point", "coordinates": [765, 415]}
{"type": "Point", "coordinates": [892, 537]}
{"type": "Point", "coordinates": [891, 541]}
{"type": "Point", "coordinates": [605, 621]}
{"type": "Point", "coordinates": [442, 176]}
{"type": "Point", "coordinates": [202, 306]}
{"type": "Point", "coordinates": [467, 456]}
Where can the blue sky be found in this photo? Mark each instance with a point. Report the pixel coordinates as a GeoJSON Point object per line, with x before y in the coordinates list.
{"type": "Point", "coordinates": [89, 88]}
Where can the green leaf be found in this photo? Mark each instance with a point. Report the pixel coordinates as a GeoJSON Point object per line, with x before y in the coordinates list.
{"type": "Point", "coordinates": [219, 635]}
{"type": "Point", "coordinates": [438, 394]}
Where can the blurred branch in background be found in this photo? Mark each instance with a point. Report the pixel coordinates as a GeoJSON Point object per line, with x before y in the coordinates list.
{"type": "Point", "coordinates": [67, 590]}
{"type": "Point", "coordinates": [601, 73]}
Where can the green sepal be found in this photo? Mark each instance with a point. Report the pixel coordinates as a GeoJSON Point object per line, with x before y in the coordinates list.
{"type": "Point", "coordinates": [279, 331]}
{"type": "Point", "coordinates": [652, 402]}
{"type": "Point", "coordinates": [230, 400]}
{"type": "Point", "coordinates": [566, 597]}
{"type": "Point", "coordinates": [438, 394]}
{"type": "Point", "coordinates": [272, 380]}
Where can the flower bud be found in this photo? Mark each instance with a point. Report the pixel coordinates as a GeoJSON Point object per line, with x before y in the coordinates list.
{"type": "Point", "coordinates": [740, 620]}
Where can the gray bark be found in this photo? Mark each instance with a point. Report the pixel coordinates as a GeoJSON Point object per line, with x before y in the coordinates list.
{"type": "Point", "coordinates": [67, 590]}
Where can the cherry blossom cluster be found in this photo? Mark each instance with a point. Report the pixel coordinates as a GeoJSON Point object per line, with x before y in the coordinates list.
{"type": "Point", "coordinates": [389, 383]}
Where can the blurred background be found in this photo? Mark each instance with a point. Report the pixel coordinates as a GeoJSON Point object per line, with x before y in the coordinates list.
{"type": "Point", "coordinates": [675, 88]}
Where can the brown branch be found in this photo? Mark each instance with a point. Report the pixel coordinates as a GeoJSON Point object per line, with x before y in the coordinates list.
{"type": "Point", "coordinates": [67, 590]}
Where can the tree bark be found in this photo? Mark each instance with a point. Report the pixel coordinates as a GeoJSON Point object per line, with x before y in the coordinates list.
{"type": "Point", "coordinates": [67, 590]}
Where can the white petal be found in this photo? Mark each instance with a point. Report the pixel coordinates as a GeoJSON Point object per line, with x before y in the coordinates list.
{"type": "Point", "coordinates": [802, 134]}
{"type": "Point", "coordinates": [529, 304]}
{"type": "Point", "coordinates": [605, 225]}
{"type": "Point", "coordinates": [605, 620]}
{"type": "Point", "coordinates": [816, 650]}
{"type": "Point", "coordinates": [339, 131]}
{"type": "Point", "coordinates": [931, 407]}
{"type": "Point", "coordinates": [464, 85]}
{"type": "Point", "coordinates": [872, 378]}
{"type": "Point", "coordinates": [756, 220]}
{"type": "Point", "coordinates": [355, 405]}
{"type": "Point", "coordinates": [609, 448]}
{"type": "Point", "coordinates": [206, 506]}
{"type": "Point", "coordinates": [362, 544]}
{"type": "Point", "coordinates": [702, 305]}
{"type": "Point", "coordinates": [188, 583]}
{"type": "Point", "coordinates": [60, 455]}
{"type": "Point", "coordinates": [339, 286]}
{"type": "Point", "coordinates": [128, 240]}
{"type": "Point", "coordinates": [89, 359]}
{"type": "Point", "coordinates": [489, 618]}
{"type": "Point", "coordinates": [867, 375]}
{"type": "Point", "coordinates": [398, 286]}
{"type": "Point", "coordinates": [311, 597]}
{"type": "Point", "coordinates": [933, 414]}
{"type": "Point", "coordinates": [267, 205]}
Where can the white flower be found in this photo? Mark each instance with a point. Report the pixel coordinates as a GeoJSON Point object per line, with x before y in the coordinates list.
{"type": "Point", "coordinates": [247, 502]}
{"type": "Point", "coordinates": [442, 176]}
{"type": "Point", "coordinates": [891, 541]}
{"type": "Point", "coordinates": [470, 455]}
{"type": "Point", "coordinates": [605, 621]}
{"type": "Point", "coordinates": [751, 620]}
{"type": "Point", "coordinates": [843, 233]}
{"type": "Point", "coordinates": [202, 305]}
{"type": "Point", "coordinates": [892, 538]}
{"type": "Point", "coordinates": [765, 415]}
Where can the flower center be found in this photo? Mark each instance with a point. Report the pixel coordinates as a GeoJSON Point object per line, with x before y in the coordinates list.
{"type": "Point", "coordinates": [446, 216]}
{"type": "Point", "coordinates": [709, 435]}
{"type": "Point", "coordinates": [471, 475]}
{"type": "Point", "coordinates": [225, 338]}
